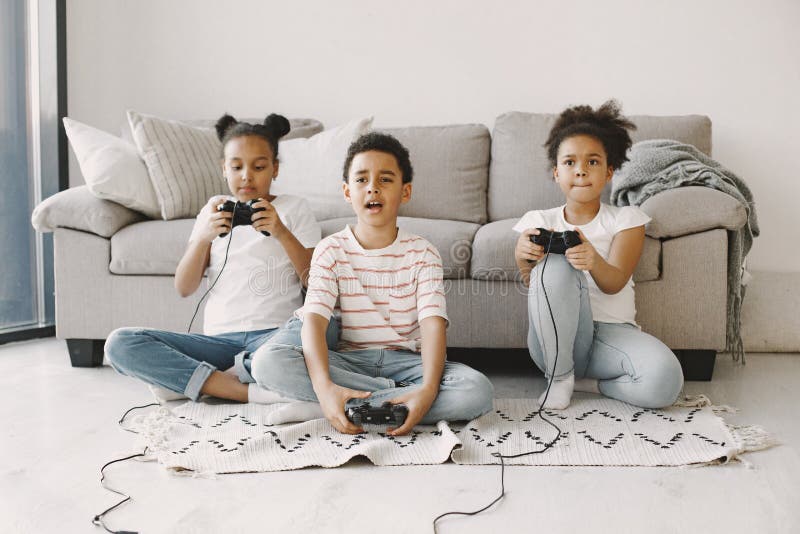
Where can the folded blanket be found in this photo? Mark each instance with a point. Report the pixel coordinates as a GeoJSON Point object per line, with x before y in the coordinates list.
{"type": "Point", "coordinates": [661, 164]}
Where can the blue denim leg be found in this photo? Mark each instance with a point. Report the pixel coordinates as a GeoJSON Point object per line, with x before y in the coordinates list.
{"type": "Point", "coordinates": [176, 361]}
{"type": "Point", "coordinates": [282, 369]}
{"type": "Point", "coordinates": [464, 393]}
{"type": "Point", "coordinates": [558, 287]}
{"type": "Point", "coordinates": [633, 366]}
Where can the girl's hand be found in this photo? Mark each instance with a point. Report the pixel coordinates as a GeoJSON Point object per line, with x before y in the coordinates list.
{"type": "Point", "coordinates": [268, 219]}
{"type": "Point", "coordinates": [418, 401]}
{"type": "Point", "coordinates": [211, 222]}
{"type": "Point", "coordinates": [527, 249]}
{"type": "Point", "coordinates": [584, 256]}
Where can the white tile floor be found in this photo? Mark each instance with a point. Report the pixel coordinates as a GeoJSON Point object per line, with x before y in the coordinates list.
{"type": "Point", "coordinates": [59, 427]}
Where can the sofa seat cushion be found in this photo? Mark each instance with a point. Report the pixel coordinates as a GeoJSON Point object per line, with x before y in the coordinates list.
{"type": "Point", "coordinates": [493, 254]}
{"type": "Point", "coordinates": [150, 247]}
{"type": "Point", "coordinates": [453, 239]}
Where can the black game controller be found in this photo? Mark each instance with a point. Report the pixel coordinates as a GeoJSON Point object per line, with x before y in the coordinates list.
{"type": "Point", "coordinates": [242, 213]}
{"type": "Point", "coordinates": [556, 242]}
{"type": "Point", "coordinates": [385, 414]}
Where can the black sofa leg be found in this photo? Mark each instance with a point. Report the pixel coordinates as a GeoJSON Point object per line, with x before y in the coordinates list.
{"type": "Point", "coordinates": [697, 364]}
{"type": "Point", "coordinates": [86, 352]}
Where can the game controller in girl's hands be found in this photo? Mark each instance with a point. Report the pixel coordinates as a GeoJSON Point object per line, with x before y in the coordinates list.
{"type": "Point", "coordinates": [556, 242]}
{"type": "Point", "coordinates": [242, 213]}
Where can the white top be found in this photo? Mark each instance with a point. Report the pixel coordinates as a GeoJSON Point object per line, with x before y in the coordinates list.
{"type": "Point", "coordinates": [383, 294]}
{"type": "Point", "coordinates": [600, 231]}
{"type": "Point", "coordinates": [259, 287]}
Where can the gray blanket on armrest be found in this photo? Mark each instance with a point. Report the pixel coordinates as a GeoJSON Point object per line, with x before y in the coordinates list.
{"type": "Point", "coordinates": [661, 164]}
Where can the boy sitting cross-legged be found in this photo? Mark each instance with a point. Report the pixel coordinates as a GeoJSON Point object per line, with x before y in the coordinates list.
{"type": "Point", "coordinates": [389, 288]}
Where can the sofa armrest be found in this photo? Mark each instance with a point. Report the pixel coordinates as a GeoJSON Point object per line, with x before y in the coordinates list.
{"type": "Point", "coordinates": [692, 209]}
{"type": "Point", "coordinates": [79, 209]}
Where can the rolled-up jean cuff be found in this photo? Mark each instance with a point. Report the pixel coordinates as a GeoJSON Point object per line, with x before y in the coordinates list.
{"type": "Point", "coordinates": [240, 369]}
{"type": "Point", "coordinates": [197, 380]}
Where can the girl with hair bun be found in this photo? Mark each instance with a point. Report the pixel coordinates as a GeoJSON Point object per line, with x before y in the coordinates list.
{"type": "Point", "coordinates": [591, 342]}
{"type": "Point", "coordinates": [265, 265]}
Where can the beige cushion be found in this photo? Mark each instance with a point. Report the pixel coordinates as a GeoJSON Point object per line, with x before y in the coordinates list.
{"type": "Point", "coordinates": [493, 254]}
{"type": "Point", "coordinates": [453, 239]}
{"type": "Point", "coordinates": [520, 177]}
{"type": "Point", "coordinates": [451, 171]}
{"type": "Point", "coordinates": [692, 209]}
{"type": "Point", "coordinates": [79, 209]}
{"type": "Point", "coordinates": [112, 168]}
{"type": "Point", "coordinates": [150, 247]}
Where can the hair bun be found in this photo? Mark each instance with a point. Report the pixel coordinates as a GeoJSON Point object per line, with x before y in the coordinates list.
{"type": "Point", "coordinates": [278, 125]}
{"type": "Point", "coordinates": [224, 124]}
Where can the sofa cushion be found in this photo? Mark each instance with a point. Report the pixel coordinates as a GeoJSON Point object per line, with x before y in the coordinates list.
{"type": "Point", "coordinates": [451, 171]}
{"type": "Point", "coordinates": [493, 254]}
{"type": "Point", "coordinates": [150, 247]}
{"type": "Point", "coordinates": [520, 177]}
{"type": "Point", "coordinates": [692, 209]}
{"type": "Point", "coordinates": [79, 209]}
{"type": "Point", "coordinates": [453, 239]}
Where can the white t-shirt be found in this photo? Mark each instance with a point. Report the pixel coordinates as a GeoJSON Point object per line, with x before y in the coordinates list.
{"type": "Point", "coordinates": [382, 294]}
{"type": "Point", "coordinates": [259, 287]}
{"type": "Point", "coordinates": [600, 231]}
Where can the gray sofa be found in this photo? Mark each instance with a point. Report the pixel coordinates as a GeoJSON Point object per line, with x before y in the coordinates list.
{"type": "Point", "coordinates": [114, 268]}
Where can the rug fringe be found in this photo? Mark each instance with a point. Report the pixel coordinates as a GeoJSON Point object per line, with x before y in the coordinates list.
{"type": "Point", "coordinates": [752, 437]}
{"type": "Point", "coordinates": [692, 401]}
{"type": "Point", "coordinates": [154, 426]}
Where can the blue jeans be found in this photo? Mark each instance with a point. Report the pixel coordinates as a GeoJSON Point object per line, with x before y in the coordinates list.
{"type": "Point", "coordinates": [279, 366]}
{"type": "Point", "coordinates": [630, 365]}
{"type": "Point", "coordinates": [183, 362]}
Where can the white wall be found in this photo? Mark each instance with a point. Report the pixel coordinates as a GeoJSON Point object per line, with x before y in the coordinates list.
{"type": "Point", "coordinates": [419, 62]}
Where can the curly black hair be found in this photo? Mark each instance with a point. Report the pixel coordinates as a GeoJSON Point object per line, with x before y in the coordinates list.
{"type": "Point", "coordinates": [606, 123]}
{"type": "Point", "coordinates": [273, 128]}
{"type": "Point", "coordinates": [380, 142]}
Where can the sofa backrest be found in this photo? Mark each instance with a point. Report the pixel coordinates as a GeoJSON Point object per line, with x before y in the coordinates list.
{"type": "Point", "coordinates": [451, 171]}
{"type": "Point", "coordinates": [520, 177]}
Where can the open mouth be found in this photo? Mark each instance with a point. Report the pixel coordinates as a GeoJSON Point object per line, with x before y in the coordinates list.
{"type": "Point", "coordinates": [373, 206]}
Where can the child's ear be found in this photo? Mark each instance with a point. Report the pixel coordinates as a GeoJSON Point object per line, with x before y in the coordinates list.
{"type": "Point", "coordinates": [555, 173]}
{"type": "Point", "coordinates": [609, 173]}
{"type": "Point", "coordinates": [406, 195]}
{"type": "Point", "coordinates": [346, 192]}
{"type": "Point", "coordinates": [275, 168]}
{"type": "Point", "coordinates": [224, 172]}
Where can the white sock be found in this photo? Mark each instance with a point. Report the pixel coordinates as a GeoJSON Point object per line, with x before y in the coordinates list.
{"type": "Point", "coordinates": [560, 393]}
{"type": "Point", "coordinates": [587, 385]}
{"type": "Point", "coordinates": [163, 395]}
{"type": "Point", "coordinates": [259, 395]}
{"type": "Point", "coordinates": [295, 411]}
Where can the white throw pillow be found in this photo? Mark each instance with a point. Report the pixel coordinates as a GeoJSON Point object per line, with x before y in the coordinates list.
{"type": "Point", "coordinates": [112, 168]}
{"type": "Point", "coordinates": [312, 168]}
{"type": "Point", "coordinates": [183, 162]}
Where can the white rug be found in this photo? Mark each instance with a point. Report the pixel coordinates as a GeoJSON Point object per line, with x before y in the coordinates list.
{"type": "Point", "coordinates": [232, 438]}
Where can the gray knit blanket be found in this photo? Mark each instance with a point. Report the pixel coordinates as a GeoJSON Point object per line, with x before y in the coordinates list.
{"type": "Point", "coordinates": [661, 164]}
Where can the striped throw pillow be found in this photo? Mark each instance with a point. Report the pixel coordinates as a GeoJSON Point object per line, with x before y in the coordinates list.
{"type": "Point", "coordinates": [183, 162]}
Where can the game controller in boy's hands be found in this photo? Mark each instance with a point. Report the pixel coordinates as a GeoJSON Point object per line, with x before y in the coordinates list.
{"type": "Point", "coordinates": [385, 414]}
{"type": "Point", "coordinates": [556, 242]}
{"type": "Point", "coordinates": [242, 213]}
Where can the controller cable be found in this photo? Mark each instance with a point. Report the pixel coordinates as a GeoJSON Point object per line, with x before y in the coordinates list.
{"type": "Point", "coordinates": [539, 413]}
{"type": "Point", "coordinates": [230, 238]}
{"type": "Point", "coordinates": [98, 519]}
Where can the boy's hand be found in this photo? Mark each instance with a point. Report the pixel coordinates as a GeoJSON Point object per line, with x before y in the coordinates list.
{"type": "Point", "coordinates": [527, 249]}
{"type": "Point", "coordinates": [212, 222]}
{"type": "Point", "coordinates": [584, 256]}
{"type": "Point", "coordinates": [418, 401]}
{"type": "Point", "coordinates": [268, 219]}
{"type": "Point", "coordinates": [332, 399]}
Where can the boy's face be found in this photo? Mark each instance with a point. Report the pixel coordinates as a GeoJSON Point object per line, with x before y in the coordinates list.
{"type": "Point", "coordinates": [249, 167]}
{"type": "Point", "coordinates": [582, 169]}
{"type": "Point", "coordinates": [375, 188]}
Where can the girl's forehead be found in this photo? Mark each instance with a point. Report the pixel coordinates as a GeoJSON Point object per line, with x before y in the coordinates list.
{"type": "Point", "coordinates": [581, 144]}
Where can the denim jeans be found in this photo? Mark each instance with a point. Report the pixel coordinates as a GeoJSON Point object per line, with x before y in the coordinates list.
{"type": "Point", "coordinates": [183, 362]}
{"type": "Point", "coordinates": [279, 365]}
{"type": "Point", "coordinates": [630, 365]}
